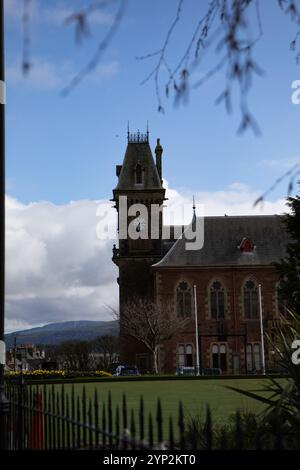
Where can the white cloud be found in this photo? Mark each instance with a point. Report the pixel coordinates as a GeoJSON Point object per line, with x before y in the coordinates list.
{"type": "Point", "coordinates": [284, 163]}
{"type": "Point", "coordinates": [236, 199]}
{"type": "Point", "coordinates": [56, 15]}
{"type": "Point", "coordinates": [46, 75]}
{"type": "Point", "coordinates": [56, 267]}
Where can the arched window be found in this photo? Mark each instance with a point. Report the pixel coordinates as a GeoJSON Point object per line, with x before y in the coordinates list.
{"type": "Point", "coordinates": [250, 299]}
{"type": "Point", "coordinates": [217, 300]}
{"type": "Point", "coordinates": [184, 299]}
{"type": "Point", "coordinates": [138, 174]}
{"type": "Point", "coordinates": [256, 356]}
{"type": "Point", "coordinates": [219, 356]}
{"type": "Point", "coordinates": [181, 358]}
{"type": "Point", "coordinates": [185, 355]}
{"type": "Point", "coordinates": [253, 357]}
{"type": "Point", "coordinates": [249, 357]}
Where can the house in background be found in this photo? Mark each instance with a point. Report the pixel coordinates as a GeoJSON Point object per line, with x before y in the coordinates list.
{"type": "Point", "coordinates": [25, 357]}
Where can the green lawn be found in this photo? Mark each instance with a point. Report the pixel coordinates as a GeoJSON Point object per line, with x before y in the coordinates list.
{"type": "Point", "coordinates": [194, 394]}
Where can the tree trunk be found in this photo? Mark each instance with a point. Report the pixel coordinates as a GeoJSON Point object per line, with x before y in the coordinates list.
{"type": "Point", "coordinates": [155, 360]}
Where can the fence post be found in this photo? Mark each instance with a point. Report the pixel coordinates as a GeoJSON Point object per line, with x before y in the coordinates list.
{"type": "Point", "coordinates": [20, 414]}
{"type": "Point", "coordinates": [37, 426]}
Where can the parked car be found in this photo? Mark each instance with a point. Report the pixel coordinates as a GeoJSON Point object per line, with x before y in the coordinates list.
{"type": "Point", "coordinates": [124, 370]}
{"type": "Point", "coordinates": [184, 370]}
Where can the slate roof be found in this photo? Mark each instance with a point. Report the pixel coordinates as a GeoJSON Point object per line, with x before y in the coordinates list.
{"type": "Point", "coordinates": [138, 153]}
{"type": "Point", "coordinates": [222, 237]}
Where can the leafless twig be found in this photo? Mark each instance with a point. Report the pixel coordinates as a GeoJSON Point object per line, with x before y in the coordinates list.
{"type": "Point", "coordinates": [102, 46]}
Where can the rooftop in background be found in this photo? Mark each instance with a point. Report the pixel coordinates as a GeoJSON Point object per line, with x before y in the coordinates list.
{"type": "Point", "coordinates": [222, 243]}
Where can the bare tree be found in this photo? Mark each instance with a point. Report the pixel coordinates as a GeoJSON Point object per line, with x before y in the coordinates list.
{"type": "Point", "coordinates": [74, 355]}
{"type": "Point", "coordinates": [108, 347]}
{"type": "Point", "coordinates": [151, 324]}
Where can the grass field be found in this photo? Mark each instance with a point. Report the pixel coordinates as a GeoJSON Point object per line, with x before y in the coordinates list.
{"type": "Point", "coordinates": [194, 394]}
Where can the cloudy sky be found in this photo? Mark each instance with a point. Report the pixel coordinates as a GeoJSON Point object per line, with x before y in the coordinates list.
{"type": "Point", "coordinates": [62, 151]}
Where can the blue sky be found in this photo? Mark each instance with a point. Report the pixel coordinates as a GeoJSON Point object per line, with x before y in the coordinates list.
{"type": "Point", "coordinates": [62, 152]}
{"type": "Point", "coordinates": [62, 149]}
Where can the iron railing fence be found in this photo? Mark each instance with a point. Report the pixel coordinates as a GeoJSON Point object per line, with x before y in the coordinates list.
{"type": "Point", "coordinates": [49, 417]}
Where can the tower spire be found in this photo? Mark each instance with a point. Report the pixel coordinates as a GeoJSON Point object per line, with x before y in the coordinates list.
{"type": "Point", "coordinates": [128, 131]}
{"type": "Point", "coordinates": [194, 206]}
{"type": "Point", "coordinates": [158, 153]}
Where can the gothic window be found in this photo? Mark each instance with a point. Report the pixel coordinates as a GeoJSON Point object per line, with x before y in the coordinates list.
{"type": "Point", "coordinates": [138, 174]}
{"type": "Point", "coordinates": [249, 354]}
{"type": "Point", "coordinates": [184, 300]}
{"type": "Point", "coordinates": [185, 355]}
{"type": "Point", "coordinates": [181, 356]}
{"type": "Point", "coordinates": [253, 357]}
{"type": "Point", "coordinates": [250, 292]}
{"type": "Point", "coordinates": [219, 356]}
{"type": "Point", "coordinates": [217, 300]}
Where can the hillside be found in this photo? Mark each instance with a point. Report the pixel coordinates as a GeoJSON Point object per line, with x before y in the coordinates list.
{"type": "Point", "coordinates": [55, 333]}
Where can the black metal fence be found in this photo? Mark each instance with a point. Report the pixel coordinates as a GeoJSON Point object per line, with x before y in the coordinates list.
{"type": "Point", "coordinates": [47, 417]}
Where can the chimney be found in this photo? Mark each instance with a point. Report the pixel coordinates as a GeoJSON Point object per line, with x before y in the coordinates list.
{"type": "Point", "coordinates": [158, 153]}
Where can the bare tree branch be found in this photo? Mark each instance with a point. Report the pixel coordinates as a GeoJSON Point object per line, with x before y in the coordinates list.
{"type": "Point", "coordinates": [291, 174]}
{"type": "Point", "coordinates": [150, 324]}
{"type": "Point", "coordinates": [102, 46]}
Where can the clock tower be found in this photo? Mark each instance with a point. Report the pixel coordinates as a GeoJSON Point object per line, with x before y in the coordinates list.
{"type": "Point", "coordinates": [138, 197]}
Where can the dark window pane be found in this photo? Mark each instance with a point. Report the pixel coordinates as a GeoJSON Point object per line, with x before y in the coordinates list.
{"type": "Point", "coordinates": [189, 360]}
{"type": "Point", "coordinates": [138, 174]}
{"type": "Point", "coordinates": [254, 304]}
{"type": "Point", "coordinates": [188, 304]}
{"type": "Point", "coordinates": [221, 305]}
{"type": "Point", "coordinates": [215, 360]}
{"type": "Point", "coordinates": [213, 304]}
{"type": "Point", "coordinates": [247, 306]}
{"type": "Point", "coordinates": [184, 300]}
{"type": "Point", "coordinates": [223, 361]}
{"type": "Point", "coordinates": [180, 303]}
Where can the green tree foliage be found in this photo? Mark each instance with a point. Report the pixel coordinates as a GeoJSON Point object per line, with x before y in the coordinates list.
{"type": "Point", "coordinates": [290, 267]}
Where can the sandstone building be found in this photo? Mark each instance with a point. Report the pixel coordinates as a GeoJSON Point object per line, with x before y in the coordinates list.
{"type": "Point", "coordinates": [238, 254]}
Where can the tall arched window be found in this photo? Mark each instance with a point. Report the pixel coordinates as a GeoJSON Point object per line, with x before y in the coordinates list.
{"type": "Point", "coordinates": [217, 300]}
{"type": "Point", "coordinates": [250, 293]}
{"type": "Point", "coordinates": [138, 174]}
{"type": "Point", "coordinates": [249, 357]}
{"type": "Point", "coordinates": [184, 299]}
{"type": "Point", "coordinates": [257, 356]}
{"type": "Point", "coordinates": [185, 355]}
{"type": "Point", "coordinates": [219, 356]}
{"type": "Point", "coordinates": [253, 357]}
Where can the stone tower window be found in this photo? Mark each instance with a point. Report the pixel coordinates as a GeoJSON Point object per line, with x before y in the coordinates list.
{"type": "Point", "coordinates": [184, 300]}
{"type": "Point", "coordinates": [138, 174]}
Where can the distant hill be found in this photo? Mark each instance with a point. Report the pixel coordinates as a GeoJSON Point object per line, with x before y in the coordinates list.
{"type": "Point", "coordinates": [55, 333]}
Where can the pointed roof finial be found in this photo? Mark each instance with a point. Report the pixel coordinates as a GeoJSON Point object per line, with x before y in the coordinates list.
{"type": "Point", "coordinates": [194, 206]}
{"type": "Point", "coordinates": [147, 130]}
{"type": "Point", "coordinates": [128, 130]}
